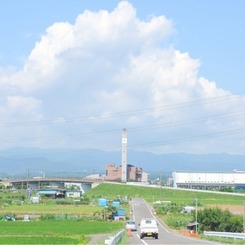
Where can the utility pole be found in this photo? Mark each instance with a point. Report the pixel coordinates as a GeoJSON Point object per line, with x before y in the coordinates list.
{"type": "Point", "coordinates": [27, 184]}
{"type": "Point", "coordinates": [244, 217]}
{"type": "Point", "coordinates": [196, 214]}
{"type": "Point", "coordinates": [27, 180]}
{"type": "Point", "coordinates": [161, 187]}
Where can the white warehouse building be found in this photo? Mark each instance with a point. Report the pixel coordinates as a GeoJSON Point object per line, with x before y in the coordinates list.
{"type": "Point", "coordinates": [208, 180]}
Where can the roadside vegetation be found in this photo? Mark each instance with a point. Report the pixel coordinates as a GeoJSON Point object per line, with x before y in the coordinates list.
{"type": "Point", "coordinates": [69, 221]}
{"type": "Point", "coordinates": [169, 204]}
{"type": "Point", "coordinates": [209, 219]}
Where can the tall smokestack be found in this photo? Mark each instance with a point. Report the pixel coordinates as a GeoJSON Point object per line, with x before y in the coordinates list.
{"type": "Point", "coordinates": [124, 155]}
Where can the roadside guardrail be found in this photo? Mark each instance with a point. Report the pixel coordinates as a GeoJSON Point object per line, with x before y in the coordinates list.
{"type": "Point", "coordinates": [225, 234]}
{"type": "Point", "coordinates": [113, 240]}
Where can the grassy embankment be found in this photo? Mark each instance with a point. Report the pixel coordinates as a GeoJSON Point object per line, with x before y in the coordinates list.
{"type": "Point", "coordinates": [153, 194]}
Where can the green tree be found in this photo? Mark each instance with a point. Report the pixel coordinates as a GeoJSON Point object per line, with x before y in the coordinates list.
{"type": "Point", "coordinates": [225, 221]}
{"type": "Point", "coordinates": [2, 186]}
{"type": "Point", "coordinates": [215, 219]}
{"type": "Point", "coordinates": [236, 223]}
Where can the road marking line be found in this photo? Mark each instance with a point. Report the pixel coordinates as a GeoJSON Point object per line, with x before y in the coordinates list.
{"type": "Point", "coordinates": [156, 218]}
{"type": "Point", "coordinates": [142, 240]}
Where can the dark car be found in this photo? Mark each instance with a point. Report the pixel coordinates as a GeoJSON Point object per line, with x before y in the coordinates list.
{"type": "Point", "coordinates": [9, 218]}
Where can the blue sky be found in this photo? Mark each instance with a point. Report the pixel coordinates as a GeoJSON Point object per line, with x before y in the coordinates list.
{"type": "Point", "coordinates": [212, 31]}
{"type": "Point", "coordinates": [74, 73]}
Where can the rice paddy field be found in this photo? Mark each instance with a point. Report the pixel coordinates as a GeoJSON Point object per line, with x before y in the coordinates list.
{"type": "Point", "coordinates": [53, 232]}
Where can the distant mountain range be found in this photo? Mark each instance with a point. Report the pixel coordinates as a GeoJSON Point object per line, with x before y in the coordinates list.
{"type": "Point", "coordinates": [70, 162]}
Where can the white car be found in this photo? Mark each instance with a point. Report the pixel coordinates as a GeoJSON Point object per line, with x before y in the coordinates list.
{"type": "Point", "coordinates": [131, 225]}
{"type": "Point", "coordinates": [148, 228]}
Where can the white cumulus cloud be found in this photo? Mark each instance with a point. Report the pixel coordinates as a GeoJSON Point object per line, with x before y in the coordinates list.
{"type": "Point", "coordinates": [111, 70]}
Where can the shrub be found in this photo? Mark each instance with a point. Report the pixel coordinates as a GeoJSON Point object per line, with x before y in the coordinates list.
{"type": "Point", "coordinates": [84, 200]}
{"type": "Point", "coordinates": [47, 217]}
{"type": "Point", "coordinates": [169, 208]}
{"type": "Point", "coordinates": [64, 201]}
{"type": "Point", "coordinates": [215, 219]}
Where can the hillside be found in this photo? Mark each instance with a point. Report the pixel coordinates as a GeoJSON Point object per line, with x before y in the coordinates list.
{"type": "Point", "coordinates": [83, 162]}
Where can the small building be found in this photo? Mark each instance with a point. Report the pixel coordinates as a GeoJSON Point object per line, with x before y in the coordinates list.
{"type": "Point", "coordinates": [35, 199]}
{"type": "Point", "coordinates": [145, 177]}
{"type": "Point", "coordinates": [188, 209]}
{"type": "Point", "coordinates": [73, 194]}
{"type": "Point", "coordinates": [192, 227]}
{"type": "Point", "coordinates": [120, 214]}
{"type": "Point", "coordinates": [114, 173]}
{"type": "Point", "coordinates": [53, 193]}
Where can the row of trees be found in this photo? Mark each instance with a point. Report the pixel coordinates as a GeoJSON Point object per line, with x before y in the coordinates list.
{"type": "Point", "coordinates": [215, 219]}
{"type": "Point", "coordinates": [209, 219]}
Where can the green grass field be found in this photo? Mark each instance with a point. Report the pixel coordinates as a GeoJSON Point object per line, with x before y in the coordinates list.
{"type": "Point", "coordinates": [42, 240]}
{"type": "Point", "coordinates": [45, 208]}
{"type": "Point", "coordinates": [54, 232]}
{"type": "Point", "coordinates": [66, 228]}
{"type": "Point", "coordinates": [68, 231]}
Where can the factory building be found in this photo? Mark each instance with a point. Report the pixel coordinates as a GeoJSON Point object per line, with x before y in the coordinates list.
{"type": "Point", "coordinates": [125, 172]}
{"type": "Point", "coordinates": [209, 180]}
{"type": "Point", "coordinates": [114, 173]}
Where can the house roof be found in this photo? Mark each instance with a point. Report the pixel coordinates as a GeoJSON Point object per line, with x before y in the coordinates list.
{"type": "Point", "coordinates": [51, 189]}
{"type": "Point", "coordinates": [48, 192]}
{"type": "Point", "coordinates": [192, 224]}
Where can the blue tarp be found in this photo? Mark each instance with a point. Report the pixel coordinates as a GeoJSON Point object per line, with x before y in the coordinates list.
{"type": "Point", "coordinates": [115, 204]}
{"type": "Point", "coordinates": [102, 202]}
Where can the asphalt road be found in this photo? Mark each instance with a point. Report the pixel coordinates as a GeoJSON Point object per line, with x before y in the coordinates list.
{"type": "Point", "coordinates": [140, 209]}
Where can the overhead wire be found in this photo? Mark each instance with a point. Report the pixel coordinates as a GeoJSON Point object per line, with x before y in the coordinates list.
{"type": "Point", "coordinates": [110, 115]}
{"type": "Point", "coordinates": [191, 138]}
{"type": "Point", "coordinates": [139, 128]}
{"type": "Point", "coordinates": [132, 129]}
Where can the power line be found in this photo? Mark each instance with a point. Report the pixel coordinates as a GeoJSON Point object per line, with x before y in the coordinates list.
{"type": "Point", "coordinates": [140, 128]}
{"type": "Point", "coordinates": [145, 111]}
{"type": "Point", "coordinates": [132, 129]}
{"type": "Point", "coordinates": [190, 138]}
{"type": "Point", "coordinates": [150, 144]}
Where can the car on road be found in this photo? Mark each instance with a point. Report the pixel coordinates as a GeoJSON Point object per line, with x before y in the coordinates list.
{"type": "Point", "coordinates": [148, 228]}
{"type": "Point", "coordinates": [131, 225]}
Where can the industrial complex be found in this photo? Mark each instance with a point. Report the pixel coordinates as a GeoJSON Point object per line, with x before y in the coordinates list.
{"type": "Point", "coordinates": [125, 172]}
{"type": "Point", "coordinates": [129, 173]}
{"type": "Point", "coordinates": [208, 180]}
